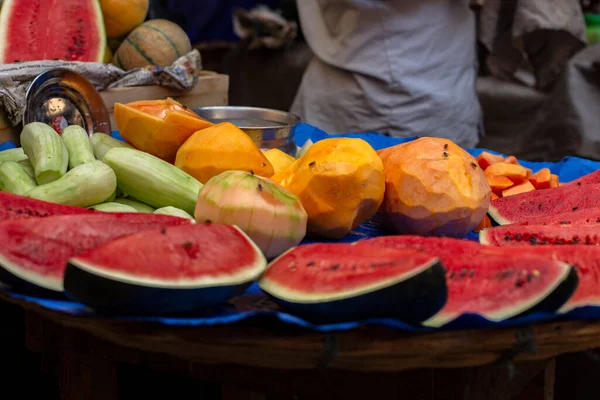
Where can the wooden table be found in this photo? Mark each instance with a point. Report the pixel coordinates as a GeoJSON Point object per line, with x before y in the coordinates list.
{"type": "Point", "coordinates": [286, 362]}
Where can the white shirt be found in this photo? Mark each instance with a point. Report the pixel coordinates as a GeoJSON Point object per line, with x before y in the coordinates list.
{"type": "Point", "coordinates": [399, 67]}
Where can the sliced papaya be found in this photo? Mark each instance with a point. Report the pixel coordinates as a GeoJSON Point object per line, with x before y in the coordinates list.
{"type": "Point", "coordinates": [518, 189]}
{"type": "Point", "coordinates": [554, 181]}
{"type": "Point", "coordinates": [494, 196]}
{"type": "Point", "coordinates": [541, 179]}
{"type": "Point", "coordinates": [486, 159]}
{"type": "Point", "coordinates": [485, 223]}
{"type": "Point", "coordinates": [158, 127]}
{"type": "Point", "coordinates": [511, 160]}
{"type": "Point", "coordinates": [220, 148]}
{"type": "Point", "coordinates": [279, 160]}
{"type": "Point", "coordinates": [499, 183]}
{"type": "Point", "coordinates": [515, 173]}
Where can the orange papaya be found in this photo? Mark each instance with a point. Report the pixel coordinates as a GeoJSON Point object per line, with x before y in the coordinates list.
{"type": "Point", "coordinates": [486, 159]}
{"type": "Point", "coordinates": [158, 127]}
{"type": "Point", "coordinates": [499, 183]}
{"type": "Point", "coordinates": [511, 160]}
{"type": "Point", "coordinates": [515, 173]}
{"type": "Point", "coordinates": [518, 189]}
{"type": "Point", "coordinates": [494, 196]}
{"type": "Point", "coordinates": [541, 179]}
{"type": "Point", "coordinates": [278, 159]}
{"type": "Point", "coordinates": [554, 181]}
{"type": "Point", "coordinates": [485, 223]}
{"type": "Point", "coordinates": [220, 148]}
{"type": "Point", "coordinates": [340, 182]}
{"type": "Point", "coordinates": [433, 187]}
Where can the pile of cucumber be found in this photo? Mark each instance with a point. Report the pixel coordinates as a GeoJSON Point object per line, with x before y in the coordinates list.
{"type": "Point", "coordinates": [97, 172]}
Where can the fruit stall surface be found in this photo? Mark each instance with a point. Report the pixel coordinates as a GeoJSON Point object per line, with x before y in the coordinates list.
{"type": "Point", "coordinates": [251, 331]}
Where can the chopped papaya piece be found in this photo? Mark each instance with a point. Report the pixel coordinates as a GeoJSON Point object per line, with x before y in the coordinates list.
{"type": "Point", "coordinates": [494, 196]}
{"type": "Point", "coordinates": [486, 159]}
{"type": "Point", "coordinates": [485, 223]}
{"type": "Point", "coordinates": [499, 183]}
{"type": "Point", "coordinates": [518, 189]}
{"type": "Point", "coordinates": [554, 181]}
{"type": "Point", "coordinates": [515, 173]}
{"type": "Point", "coordinates": [541, 179]}
{"type": "Point", "coordinates": [511, 160]}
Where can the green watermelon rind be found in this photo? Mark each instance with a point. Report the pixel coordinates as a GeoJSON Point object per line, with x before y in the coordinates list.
{"type": "Point", "coordinates": [495, 215]}
{"type": "Point", "coordinates": [442, 318]}
{"type": "Point", "coordinates": [8, 8]}
{"type": "Point", "coordinates": [247, 273]}
{"type": "Point", "coordinates": [51, 284]}
{"type": "Point", "coordinates": [298, 297]}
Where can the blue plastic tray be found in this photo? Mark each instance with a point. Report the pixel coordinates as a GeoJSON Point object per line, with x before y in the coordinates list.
{"type": "Point", "coordinates": [253, 303]}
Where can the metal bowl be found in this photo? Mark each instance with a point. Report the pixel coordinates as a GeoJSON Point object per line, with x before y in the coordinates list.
{"type": "Point", "coordinates": [270, 129]}
{"type": "Point", "coordinates": [60, 97]}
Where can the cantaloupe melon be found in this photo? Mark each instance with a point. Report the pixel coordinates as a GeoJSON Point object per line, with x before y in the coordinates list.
{"type": "Point", "coordinates": [155, 42]}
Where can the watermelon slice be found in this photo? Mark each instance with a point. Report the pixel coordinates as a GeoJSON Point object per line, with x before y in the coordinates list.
{"type": "Point", "coordinates": [339, 282]}
{"type": "Point", "coordinates": [34, 252]}
{"type": "Point", "coordinates": [585, 216]}
{"type": "Point", "coordinates": [13, 206]}
{"type": "Point", "coordinates": [511, 235]}
{"type": "Point", "coordinates": [542, 203]}
{"type": "Point", "coordinates": [588, 179]}
{"type": "Point", "coordinates": [179, 269]}
{"type": "Point", "coordinates": [69, 30]}
{"type": "Point", "coordinates": [496, 283]}
{"type": "Point", "coordinates": [586, 261]}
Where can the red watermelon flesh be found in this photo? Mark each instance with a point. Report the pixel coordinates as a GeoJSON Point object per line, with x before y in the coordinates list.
{"type": "Point", "coordinates": [35, 251]}
{"type": "Point", "coordinates": [495, 283]}
{"type": "Point", "coordinates": [13, 206]}
{"type": "Point", "coordinates": [511, 235]}
{"type": "Point", "coordinates": [544, 203]}
{"type": "Point", "coordinates": [195, 255]}
{"type": "Point", "coordinates": [586, 261]}
{"type": "Point", "coordinates": [69, 30]}
{"type": "Point", "coordinates": [322, 271]}
{"type": "Point", "coordinates": [585, 216]}
{"type": "Point", "coordinates": [588, 179]}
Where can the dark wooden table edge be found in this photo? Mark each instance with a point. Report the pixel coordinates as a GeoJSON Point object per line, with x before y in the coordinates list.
{"type": "Point", "coordinates": [372, 348]}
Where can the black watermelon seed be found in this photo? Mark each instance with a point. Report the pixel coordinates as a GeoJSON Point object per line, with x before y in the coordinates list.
{"type": "Point", "coordinates": [187, 244]}
{"type": "Point", "coordinates": [518, 236]}
{"type": "Point", "coordinates": [540, 206]}
{"type": "Point", "coordinates": [163, 230]}
{"type": "Point", "coordinates": [575, 208]}
{"type": "Point", "coordinates": [207, 221]}
{"type": "Point", "coordinates": [334, 267]}
{"type": "Point", "coordinates": [472, 273]}
{"type": "Point", "coordinates": [452, 274]}
{"type": "Point", "coordinates": [519, 283]}
{"type": "Point", "coordinates": [564, 222]}
{"type": "Point", "coordinates": [463, 272]}
{"type": "Point", "coordinates": [310, 264]}
{"type": "Point", "coordinates": [578, 183]}
{"type": "Point", "coordinates": [507, 238]}
{"type": "Point", "coordinates": [533, 240]}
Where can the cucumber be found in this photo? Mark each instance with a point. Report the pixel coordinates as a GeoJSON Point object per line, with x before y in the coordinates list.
{"type": "Point", "coordinates": [113, 207]}
{"type": "Point", "coordinates": [138, 205]}
{"type": "Point", "coordinates": [14, 178]}
{"type": "Point", "coordinates": [83, 186]}
{"type": "Point", "coordinates": [17, 154]}
{"type": "Point", "coordinates": [102, 143]}
{"type": "Point", "coordinates": [152, 180]}
{"type": "Point", "coordinates": [28, 167]}
{"type": "Point", "coordinates": [46, 151]}
{"type": "Point", "coordinates": [78, 145]}
{"type": "Point", "coordinates": [175, 212]}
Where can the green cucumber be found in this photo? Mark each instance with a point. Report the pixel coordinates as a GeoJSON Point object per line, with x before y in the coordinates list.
{"type": "Point", "coordinates": [14, 178]}
{"type": "Point", "coordinates": [28, 167]}
{"type": "Point", "coordinates": [113, 207]}
{"type": "Point", "coordinates": [102, 143]}
{"type": "Point", "coordinates": [78, 145]}
{"type": "Point", "coordinates": [17, 154]}
{"type": "Point", "coordinates": [46, 151]}
{"type": "Point", "coordinates": [174, 211]}
{"type": "Point", "coordinates": [83, 186]}
{"type": "Point", "coordinates": [152, 180]}
{"type": "Point", "coordinates": [138, 205]}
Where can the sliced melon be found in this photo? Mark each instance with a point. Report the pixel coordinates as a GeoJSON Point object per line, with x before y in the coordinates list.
{"type": "Point", "coordinates": [69, 30]}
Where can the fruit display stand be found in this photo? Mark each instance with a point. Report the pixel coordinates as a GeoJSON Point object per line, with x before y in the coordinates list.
{"type": "Point", "coordinates": [278, 361]}
{"type": "Point", "coordinates": [253, 348]}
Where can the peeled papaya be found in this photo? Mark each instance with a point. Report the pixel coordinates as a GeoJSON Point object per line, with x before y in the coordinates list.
{"type": "Point", "coordinates": [340, 183]}
{"type": "Point", "coordinates": [220, 148]}
{"type": "Point", "coordinates": [433, 187]}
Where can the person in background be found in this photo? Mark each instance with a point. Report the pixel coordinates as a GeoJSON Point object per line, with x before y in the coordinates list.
{"type": "Point", "coordinates": [399, 67]}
